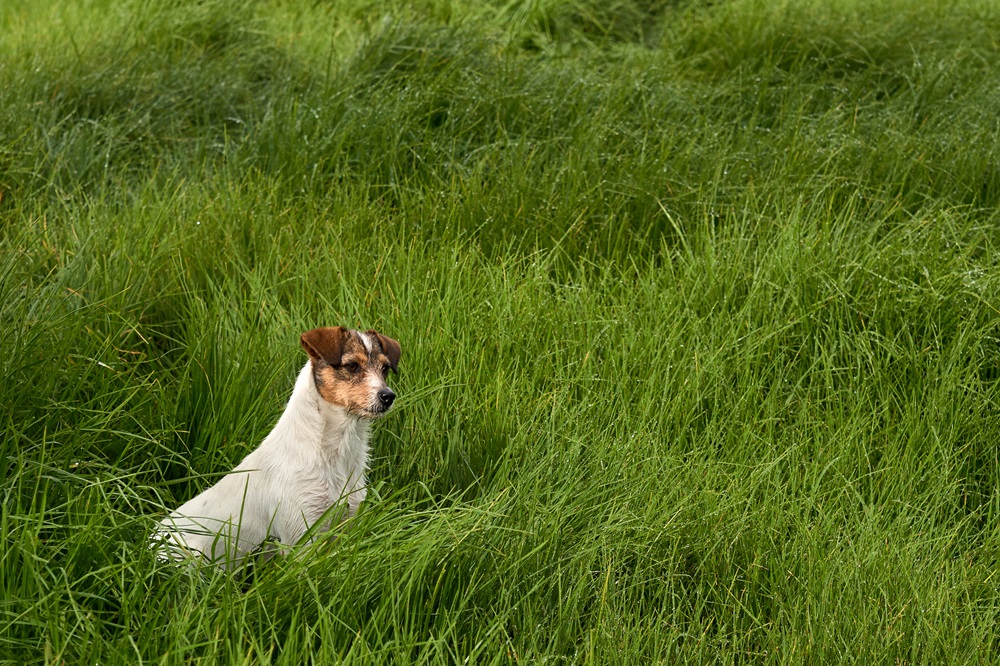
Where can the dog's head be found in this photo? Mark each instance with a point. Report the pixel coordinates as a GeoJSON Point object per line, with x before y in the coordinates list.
{"type": "Point", "coordinates": [350, 368]}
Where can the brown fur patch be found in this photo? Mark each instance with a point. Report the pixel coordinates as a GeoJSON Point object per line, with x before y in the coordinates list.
{"type": "Point", "coordinates": [389, 347]}
{"type": "Point", "coordinates": [325, 343]}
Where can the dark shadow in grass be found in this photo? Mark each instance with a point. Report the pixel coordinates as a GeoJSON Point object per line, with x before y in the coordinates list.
{"type": "Point", "coordinates": [197, 75]}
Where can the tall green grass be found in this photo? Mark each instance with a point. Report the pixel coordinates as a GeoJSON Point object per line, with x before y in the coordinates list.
{"type": "Point", "coordinates": [698, 304]}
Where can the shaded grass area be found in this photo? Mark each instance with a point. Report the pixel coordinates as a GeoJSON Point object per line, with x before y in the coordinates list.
{"type": "Point", "coordinates": [697, 304]}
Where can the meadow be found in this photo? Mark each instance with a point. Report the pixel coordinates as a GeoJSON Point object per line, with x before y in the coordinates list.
{"type": "Point", "coordinates": [698, 304]}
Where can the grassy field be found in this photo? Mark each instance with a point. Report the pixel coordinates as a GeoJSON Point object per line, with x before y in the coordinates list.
{"type": "Point", "coordinates": [699, 304]}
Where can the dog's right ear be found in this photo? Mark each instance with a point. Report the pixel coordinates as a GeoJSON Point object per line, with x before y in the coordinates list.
{"type": "Point", "coordinates": [325, 344]}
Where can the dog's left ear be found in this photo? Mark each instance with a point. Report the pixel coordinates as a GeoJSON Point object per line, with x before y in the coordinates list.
{"type": "Point", "coordinates": [390, 347]}
{"type": "Point", "coordinates": [325, 344]}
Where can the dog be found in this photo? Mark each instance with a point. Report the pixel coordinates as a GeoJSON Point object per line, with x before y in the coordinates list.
{"type": "Point", "coordinates": [314, 458]}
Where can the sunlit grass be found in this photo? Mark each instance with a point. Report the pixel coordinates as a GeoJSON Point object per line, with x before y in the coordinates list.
{"type": "Point", "coordinates": [698, 307]}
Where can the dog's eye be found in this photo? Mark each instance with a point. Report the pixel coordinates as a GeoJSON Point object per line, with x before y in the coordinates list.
{"type": "Point", "coordinates": [352, 367]}
{"type": "Point", "coordinates": [385, 371]}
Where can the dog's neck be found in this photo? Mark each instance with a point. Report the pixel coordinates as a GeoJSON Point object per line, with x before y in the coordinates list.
{"type": "Point", "coordinates": [310, 418]}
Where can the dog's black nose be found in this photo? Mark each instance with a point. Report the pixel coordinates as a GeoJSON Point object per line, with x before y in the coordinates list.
{"type": "Point", "coordinates": [385, 398]}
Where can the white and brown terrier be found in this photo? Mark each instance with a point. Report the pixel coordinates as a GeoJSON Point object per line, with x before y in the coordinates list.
{"type": "Point", "coordinates": [313, 459]}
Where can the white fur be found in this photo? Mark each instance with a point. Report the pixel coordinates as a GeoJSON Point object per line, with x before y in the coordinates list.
{"type": "Point", "coordinates": [314, 457]}
{"type": "Point", "coordinates": [366, 341]}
